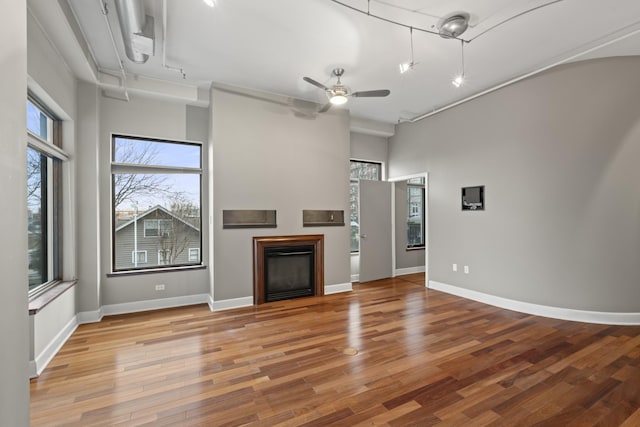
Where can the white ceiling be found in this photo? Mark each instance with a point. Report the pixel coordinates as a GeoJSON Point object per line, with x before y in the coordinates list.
{"type": "Point", "coordinates": [270, 45]}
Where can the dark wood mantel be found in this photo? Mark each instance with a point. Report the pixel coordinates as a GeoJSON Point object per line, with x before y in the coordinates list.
{"type": "Point", "coordinates": [262, 242]}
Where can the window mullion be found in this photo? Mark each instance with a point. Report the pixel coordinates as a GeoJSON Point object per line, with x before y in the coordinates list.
{"type": "Point", "coordinates": [45, 147]}
{"type": "Point", "coordinates": [129, 168]}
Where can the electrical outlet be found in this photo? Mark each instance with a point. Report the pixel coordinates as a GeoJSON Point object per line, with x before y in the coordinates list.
{"type": "Point", "coordinates": [454, 267]}
{"type": "Point", "coordinates": [466, 269]}
{"type": "Point", "coordinates": [159, 287]}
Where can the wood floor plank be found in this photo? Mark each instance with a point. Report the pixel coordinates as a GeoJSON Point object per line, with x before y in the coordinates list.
{"type": "Point", "coordinates": [389, 353]}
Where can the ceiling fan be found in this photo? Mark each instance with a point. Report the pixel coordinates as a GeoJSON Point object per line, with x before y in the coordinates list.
{"type": "Point", "coordinates": [338, 93]}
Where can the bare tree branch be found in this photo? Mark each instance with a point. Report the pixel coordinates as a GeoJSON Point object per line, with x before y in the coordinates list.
{"type": "Point", "coordinates": [132, 186]}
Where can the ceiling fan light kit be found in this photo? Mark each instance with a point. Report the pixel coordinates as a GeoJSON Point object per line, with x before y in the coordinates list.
{"type": "Point", "coordinates": [339, 94]}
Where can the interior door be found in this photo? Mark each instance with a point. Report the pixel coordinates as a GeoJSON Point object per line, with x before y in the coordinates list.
{"type": "Point", "coordinates": [375, 230]}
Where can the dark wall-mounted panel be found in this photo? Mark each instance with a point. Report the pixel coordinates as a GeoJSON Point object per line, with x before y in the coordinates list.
{"type": "Point", "coordinates": [318, 218]}
{"type": "Point", "coordinates": [248, 218]}
{"type": "Point", "coordinates": [473, 198]}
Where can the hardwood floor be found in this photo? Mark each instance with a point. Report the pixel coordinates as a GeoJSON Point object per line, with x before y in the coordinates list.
{"type": "Point", "coordinates": [423, 358]}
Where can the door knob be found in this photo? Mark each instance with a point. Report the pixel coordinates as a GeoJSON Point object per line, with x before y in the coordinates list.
{"type": "Point", "coordinates": [364, 236]}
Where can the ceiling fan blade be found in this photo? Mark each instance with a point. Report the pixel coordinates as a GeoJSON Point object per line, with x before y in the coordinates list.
{"type": "Point", "coordinates": [325, 107]}
{"type": "Point", "coordinates": [315, 83]}
{"type": "Point", "coordinates": [371, 93]}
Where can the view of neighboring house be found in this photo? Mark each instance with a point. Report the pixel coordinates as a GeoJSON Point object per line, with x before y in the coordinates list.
{"type": "Point", "coordinates": [156, 237]}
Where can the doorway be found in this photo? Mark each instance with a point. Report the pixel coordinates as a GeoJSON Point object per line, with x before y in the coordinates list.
{"type": "Point", "coordinates": [410, 230]}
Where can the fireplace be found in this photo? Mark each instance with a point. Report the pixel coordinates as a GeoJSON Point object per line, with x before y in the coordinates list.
{"type": "Point", "coordinates": [286, 267]}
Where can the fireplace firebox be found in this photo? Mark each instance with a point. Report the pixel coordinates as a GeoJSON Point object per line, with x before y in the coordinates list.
{"type": "Point", "coordinates": [287, 267]}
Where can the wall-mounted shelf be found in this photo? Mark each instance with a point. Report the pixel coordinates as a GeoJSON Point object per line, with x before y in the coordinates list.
{"type": "Point", "coordinates": [321, 218]}
{"type": "Point", "coordinates": [246, 218]}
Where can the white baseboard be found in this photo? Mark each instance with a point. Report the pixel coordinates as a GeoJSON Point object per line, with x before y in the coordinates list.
{"type": "Point", "coordinates": [154, 304]}
{"type": "Point", "coordinates": [42, 360]}
{"type": "Point", "coordinates": [600, 317]}
{"type": "Point", "coordinates": [336, 289]}
{"type": "Point", "coordinates": [408, 270]}
{"type": "Point", "coordinates": [355, 278]}
{"type": "Point", "coordinates": [89, 316]}
{"type": "Point", "coordinates": [227, 304]}
{"type": "Point", "coordinates": [210, 302]}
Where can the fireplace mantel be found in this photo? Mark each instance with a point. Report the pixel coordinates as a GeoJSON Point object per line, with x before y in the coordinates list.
{"type": "Point", "coordinates": [262, 242]}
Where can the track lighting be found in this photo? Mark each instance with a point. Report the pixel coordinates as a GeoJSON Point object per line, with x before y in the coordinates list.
{"type": "Point", "coordinates": [459, 79]}
{"type": "Point", "coordinates": [453, 26]}
{"type": "Point", "coordinates": [408, 66]}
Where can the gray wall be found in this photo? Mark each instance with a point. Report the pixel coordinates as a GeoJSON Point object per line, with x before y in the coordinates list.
{"type": "Point", "coordinates": [151, 118]}
{"type": "Point", "coordinates": [265, 157]}
{"type": "Point", "coordinates": [558, 156]}
{"type": "Point", "coordinates": [369, 147]}
{"type": "Point", "coordinates": [14, 352]}
{"type": "Point", "coordinates": [404, 258]}
{"type": "Point", "coordinates": [88, 191]}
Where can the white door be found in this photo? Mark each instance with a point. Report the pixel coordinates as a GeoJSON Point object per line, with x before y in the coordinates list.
{"type": "Point", "coordinates": [375, 230]}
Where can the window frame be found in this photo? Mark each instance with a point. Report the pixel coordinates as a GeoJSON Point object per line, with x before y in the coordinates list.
{"type": "Point", "coordinates": [422, 187]}
{"type": "Point", "coordinates": [52, 191]}
{"type": "Point", "coordinates": [159, 228]}
{"type": "Point", "coordinates": [162, 254]}
{"type": "Point", "coordinates": [131, 168]}
{"type": "Point", "coordinates": [197, 257]}
{"type": "Point", "coordinates": [133, 257]}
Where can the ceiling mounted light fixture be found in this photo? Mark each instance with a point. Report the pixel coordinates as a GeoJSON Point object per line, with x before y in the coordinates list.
{"type": "Point", "coordinates": [407, 66]}
{"type": "Point", "coordinates": [338, 99]}
{"type": "Point", "coordinates": [453, 26]}
{"type": "Point", "coordinates": [338, 93]}
{"type": "Point", "coordinates": [459, 79]}
{"type": "Point", "coordinates": [210, 3]}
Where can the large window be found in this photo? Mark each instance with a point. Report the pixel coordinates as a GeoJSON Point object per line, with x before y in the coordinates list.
{"type": "Point", "coordinates": [44, 159]}
{"type": "Point", "coordinates": [415, 213]}
{"type": "Point", "coordinates": [156, 189]}
{"type": "Point", "coordinates": [360, 170]}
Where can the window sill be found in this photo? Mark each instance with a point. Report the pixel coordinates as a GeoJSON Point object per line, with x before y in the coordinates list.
{"type": "Point", "coordinates": [156, 270]}
{"type": "Point", "coordinates": [416, 248]}
{"type": "Point", "coordinates": [42, 300]}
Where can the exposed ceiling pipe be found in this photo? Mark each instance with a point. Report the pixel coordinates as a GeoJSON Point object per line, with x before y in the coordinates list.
{"type": "Point", "coordinates": [164, 43]}
{"type": "Point", "coordinates": [103, 9]}
{"type": "Point", "coordinates": [133, 22]}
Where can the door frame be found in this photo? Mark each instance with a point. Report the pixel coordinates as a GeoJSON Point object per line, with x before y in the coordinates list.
{"type": "Point", "coordinates": [426, 225]}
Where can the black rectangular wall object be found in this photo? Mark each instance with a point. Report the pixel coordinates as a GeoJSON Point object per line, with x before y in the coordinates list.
{"type": "Point", "coordinates": [473, 198]}
{"type": "Point", "coordinates": [248, 218]}
{"type": "Point", "coordinates": [322, 218]}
